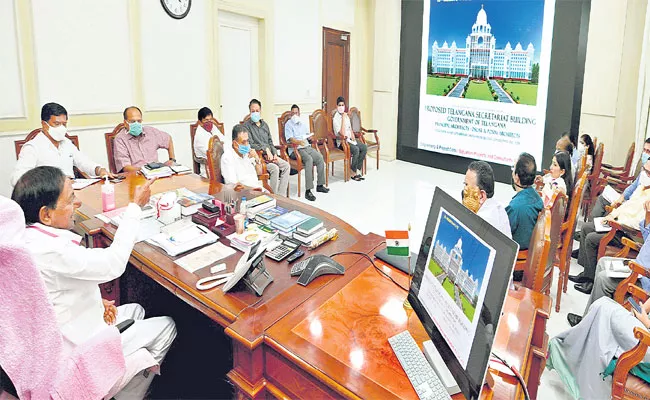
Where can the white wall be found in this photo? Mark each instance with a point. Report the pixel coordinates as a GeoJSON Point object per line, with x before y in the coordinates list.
{"type": "Point", "coordinates": [609, 94]}
{"type": "Point", "coordinates": [12, 99]}
{"type": "Point", "coordinates": [97, 60]}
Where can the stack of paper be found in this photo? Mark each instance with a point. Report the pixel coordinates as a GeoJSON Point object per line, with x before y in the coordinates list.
{"type": "Point", "coordinates": [181, 169]}
{"type": "Point", "coordinates": [184, 240]}
{"type": "Point", "coordinates": [259, 204]}
{"type": "Point", "coordinates": [251, 235]}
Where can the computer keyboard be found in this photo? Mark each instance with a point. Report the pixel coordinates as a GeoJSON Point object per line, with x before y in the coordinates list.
{"type": "Point", "coordinates": [426, 383]}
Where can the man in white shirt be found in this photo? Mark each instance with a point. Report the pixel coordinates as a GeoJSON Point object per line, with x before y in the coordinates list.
{"type": "Point", "coordinates": [204, 131]}
{"type": "Point", "coordinates": [51, 147]}
{"type": "Point", "coordinates": [477, 196]}
{"type": "Point", "coordinates": [72, 273]}
{"type": "Point", "coordinates": [343, 130]}
{"type": "Point", "coordinates": [296, 132]}
{"type": "Point", "coordinates": [238, 160]}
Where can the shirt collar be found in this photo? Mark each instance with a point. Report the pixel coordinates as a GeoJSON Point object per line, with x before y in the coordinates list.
{"type": "Point", "coordinates": [55, 232]}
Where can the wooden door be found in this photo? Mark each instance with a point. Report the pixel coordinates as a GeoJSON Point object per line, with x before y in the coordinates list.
{"type": "Point", "coordinates": [336, 67]}
{"type": "Point", "coordinates": [238, 66]}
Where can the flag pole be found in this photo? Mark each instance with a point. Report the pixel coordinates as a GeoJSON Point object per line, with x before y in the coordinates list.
{"type": "Point", "coordinates": [407, 305]}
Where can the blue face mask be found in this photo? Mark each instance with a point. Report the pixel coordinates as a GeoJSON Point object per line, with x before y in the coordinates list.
{"type": "Point", "coordinates": [644, 157]}
{"type": "Point", "coordinates": [244, 149]}
{"type": "Point", "coordinates": [135, 128]}
{"type": "Point", "coordinates": [256, 117]}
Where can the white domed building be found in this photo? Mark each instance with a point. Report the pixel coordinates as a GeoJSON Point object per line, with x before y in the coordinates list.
{"type": "Point", "coordinates": [480, 59]}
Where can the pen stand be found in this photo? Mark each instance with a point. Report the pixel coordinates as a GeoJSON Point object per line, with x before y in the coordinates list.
{"type": "Point", "coordinates": [257, 278]}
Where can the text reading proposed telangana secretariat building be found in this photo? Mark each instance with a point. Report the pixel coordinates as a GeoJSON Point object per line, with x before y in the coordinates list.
{"type": "Point", "coordinates": [480, 59]}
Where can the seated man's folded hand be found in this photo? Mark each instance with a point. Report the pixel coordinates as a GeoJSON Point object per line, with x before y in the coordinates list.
{"type": "Point", "coordinates": [110, 311]}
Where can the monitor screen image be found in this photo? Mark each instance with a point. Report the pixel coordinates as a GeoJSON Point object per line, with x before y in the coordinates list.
{"type": "Point", "coordinates": [459, 285]}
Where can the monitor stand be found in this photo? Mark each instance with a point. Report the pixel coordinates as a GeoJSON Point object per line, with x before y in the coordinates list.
{"type": "Point", "coordinates": [438, 365]}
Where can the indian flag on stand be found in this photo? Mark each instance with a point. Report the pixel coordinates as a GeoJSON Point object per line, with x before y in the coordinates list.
{"type": "Point", "coordinates": [397, 243]}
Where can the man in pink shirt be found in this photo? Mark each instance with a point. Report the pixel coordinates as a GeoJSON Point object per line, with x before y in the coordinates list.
{"type": "Point", "coordinates": [137, 145]}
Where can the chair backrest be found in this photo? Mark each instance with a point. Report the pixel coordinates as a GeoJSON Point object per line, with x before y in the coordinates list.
{"type": "Point", "coordinates": [109, 138]}
{"type": "Point", "coordinates": [282, 121]}
{"type": "Point", "coordinates": [572, 216]}
{"type": "Point", "coordinates": [321, 125]}
{"type": "Point", "coordinates": [18, 144]}
{"type": "Point", "coordinates": [213, 165]}
{"type": "Point", "coordinates": [628, 161]}
{"type": "Point", "coordinates": [355, 120]}
{"type": "Point", "coordinates": [196, 162]}
{"type": "Point", "coordinates": [558, 207]}
{"type": "Point", "coordinates": [246, 118]}
{"type": "Point", "coordinates": [582, 166]}
{"type": "Point", "coordinates": [598, 163]}
{"type": "Point", "coordinates": [196, 165]}
{"type": "Point", "coordinates": [538, 252]}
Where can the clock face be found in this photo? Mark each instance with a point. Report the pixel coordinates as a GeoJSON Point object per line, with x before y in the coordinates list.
{"type": "Point", "coordinates": [177, 8]}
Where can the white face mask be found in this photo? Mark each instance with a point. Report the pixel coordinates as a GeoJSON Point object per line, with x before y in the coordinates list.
{"type": "Point", "coordinates": [341, 109]}
{"type": "Point", "coordinates": [581, 148]}
{"type": "Point", "coordinates": [57, 132]}
{"type": "Point", "coordinates": [295, 119]}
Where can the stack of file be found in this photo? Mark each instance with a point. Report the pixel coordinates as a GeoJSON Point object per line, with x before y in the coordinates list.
{"type": "Point", "coordinates": [259, 204]}
{"type": "Point", "coordinates": [287, 223]}
{"type": "Point", "coordinates": [161, 172]}
{"type": "Point", "coordinates": [251, 235]}
{"type": "Point", "coordinates": [266, 216]}
{"type": "Point", "coordinates": [190, 201]}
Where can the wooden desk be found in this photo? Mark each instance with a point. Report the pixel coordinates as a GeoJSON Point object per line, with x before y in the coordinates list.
{"type": "Point", "coordinates": [340, 337]}
{"type": "Point", "coordinates": [327, 339]}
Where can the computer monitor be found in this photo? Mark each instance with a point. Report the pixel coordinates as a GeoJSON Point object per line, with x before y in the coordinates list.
{"type": "Point", "coordinates": [460, 282]}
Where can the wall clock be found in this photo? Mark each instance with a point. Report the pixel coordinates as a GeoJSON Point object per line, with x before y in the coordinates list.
{"type": "Point", "coordinates": [177, 9]}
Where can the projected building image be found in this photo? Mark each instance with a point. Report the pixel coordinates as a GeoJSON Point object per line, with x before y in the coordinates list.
{"type": "Point", "coordinates": [479, 68]}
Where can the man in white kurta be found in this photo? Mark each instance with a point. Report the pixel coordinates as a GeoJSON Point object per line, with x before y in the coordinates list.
{"type": "Point", "coordinates": [51, 147]}
{"type": "Point", "coordinates": [72, 273]}
{"type": "Point", "coordinates": [479, 182]}
{"type": "Point", "coordinates": [238, 161]}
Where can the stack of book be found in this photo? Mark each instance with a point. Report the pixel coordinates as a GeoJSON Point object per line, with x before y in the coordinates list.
{"type": "Point", "coordinates": [309, 230]}
{"type": "Point", "coordinates": [259, 204]}
{"type": "Point", "coordinates": [287, 223]}
{"type": "Point", "coordinates": [265, 217]}
{"type": "Point", "coordinates": [181, 169]}
{"type": "Point", "coordinates": [251, 235]}
{"type": "Point", "coordinates": [161, 172]}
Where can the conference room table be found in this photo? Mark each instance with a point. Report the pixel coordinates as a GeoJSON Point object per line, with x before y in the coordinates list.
{"type": "Point", "coordinates": [327, 339]}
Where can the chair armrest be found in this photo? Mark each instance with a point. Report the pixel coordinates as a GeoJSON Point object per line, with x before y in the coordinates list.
{"type": "Point", "coordinates": [522, 255]}
{"type": "Point", "coordinates": [124, 325]}
{"type": "Point", "coordinates": [602, 247]}
{"type": "Point", "coordinates": [631, 244]}
{"type": "Point", "coordinates": [628, 360]}
{"type": "Point", "coordinates": [628, 285]}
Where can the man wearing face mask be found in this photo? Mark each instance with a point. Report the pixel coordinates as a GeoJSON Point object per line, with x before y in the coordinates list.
{"type": "Point", "coordinates": [478, 196]}
{"type": "Point", "coordinates": [137, 145]}
{"type": "Point", "coordinates": [343, 130]}
{"type": "Point", "coordinates": [51, 148]}
{"type": "Point", "coordinates": [238, 161]}
{"type": "Point", "coordinates": [204, 131]}
{"type": "Point", "coordinates": [628, 214]}
{"type": "Point", "coordinates": [295, 131]}
{"type": "Point", "coordinates": [260, 139]}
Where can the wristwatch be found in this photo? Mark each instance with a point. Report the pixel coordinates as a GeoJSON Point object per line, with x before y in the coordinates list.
{"type": "Point", "coordinates": [172, 159]}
